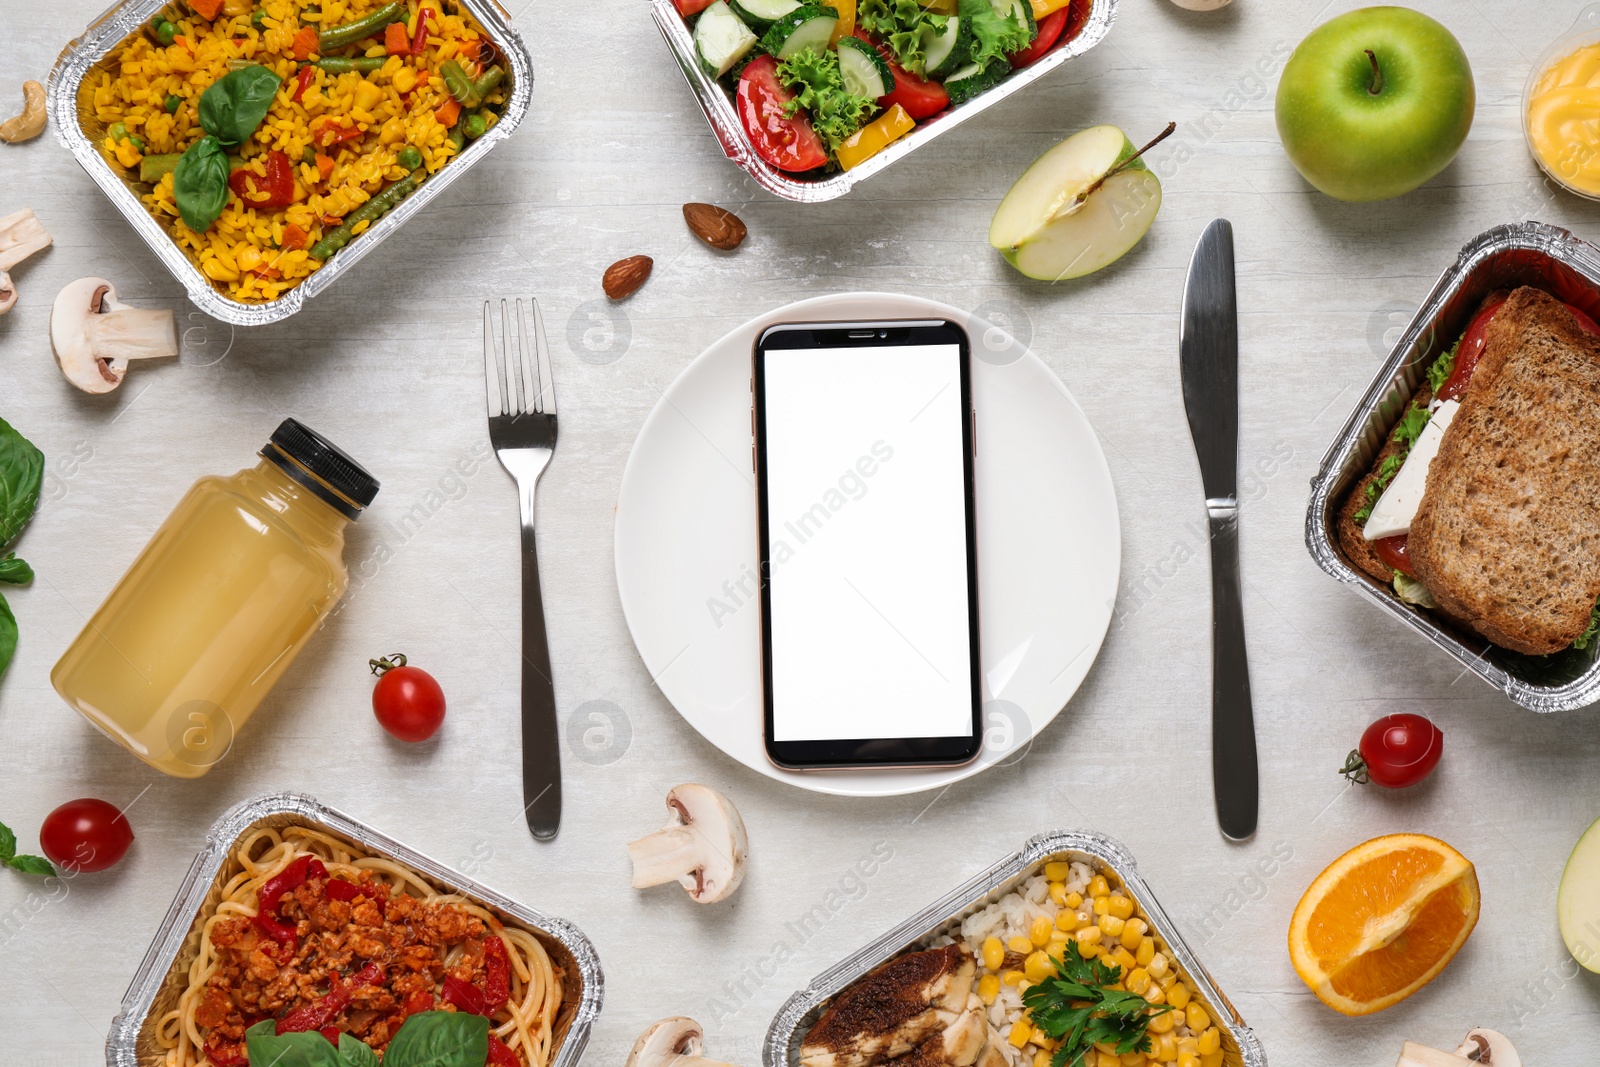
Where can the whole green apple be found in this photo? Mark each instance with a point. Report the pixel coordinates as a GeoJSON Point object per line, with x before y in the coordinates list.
{"type": "Point", "coordinates": [1374, 103]}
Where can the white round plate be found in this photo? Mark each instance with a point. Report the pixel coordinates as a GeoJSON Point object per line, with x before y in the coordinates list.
{"type": "Point", "coordinates": [1049, 545]}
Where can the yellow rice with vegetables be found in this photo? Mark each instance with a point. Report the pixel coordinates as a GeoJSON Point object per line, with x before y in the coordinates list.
{"type": "Point", "coordinates": [345, 135]}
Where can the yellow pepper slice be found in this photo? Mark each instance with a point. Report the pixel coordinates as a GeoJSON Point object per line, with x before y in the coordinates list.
{"type": "Point", "coordinates": [1041, 8]}
{"type": "Point", "coordinates": [874, 137]}
{"type": "Point", "coordinates": [847, 18]}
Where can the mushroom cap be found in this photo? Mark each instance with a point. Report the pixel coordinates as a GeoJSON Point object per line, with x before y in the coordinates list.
{"type": "Point", "coordinates": [666, 1039]}
{"type": "Point", "coordinates": [1493, 1048]}
{"type": "Point", "coordinates": [74, 356]}
{"type": "Point", "coordinates": [718, 821]}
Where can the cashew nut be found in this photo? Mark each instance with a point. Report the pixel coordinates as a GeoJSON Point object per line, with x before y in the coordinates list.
{"type": "Point", "coordinates": [29, 124]}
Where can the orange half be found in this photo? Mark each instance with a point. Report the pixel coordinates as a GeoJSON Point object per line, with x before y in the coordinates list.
{"type": "Point", "coordinates": [1382, 921]}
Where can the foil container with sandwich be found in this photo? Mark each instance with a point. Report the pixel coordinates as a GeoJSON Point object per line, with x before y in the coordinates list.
{"type": "Point", "coordinates": [724, 120]}
{"type": "Point", "coordinates": [164, 972]}
{"type": "Point", "coordinates": [1528, 253]}
{"type": "Point", "coordinates": [1240, 1046]}
{"type": "Point", "coordinates": [77, 128]}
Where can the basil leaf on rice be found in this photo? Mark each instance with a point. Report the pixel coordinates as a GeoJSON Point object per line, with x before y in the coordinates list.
{"type": "Point", "coordinates": [237, 102]}
{"type": "Point", "coordinates": [200, 184]}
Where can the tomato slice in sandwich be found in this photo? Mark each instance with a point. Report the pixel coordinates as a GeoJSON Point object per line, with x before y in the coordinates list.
{"type": "Point", "coordinates": [1472, 342]}
{"type": "Point", "coordinates": [1392, 550]}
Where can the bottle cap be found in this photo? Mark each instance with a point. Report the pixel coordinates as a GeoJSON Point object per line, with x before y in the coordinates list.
{"type": "Point", "coordinates": [321, 466]}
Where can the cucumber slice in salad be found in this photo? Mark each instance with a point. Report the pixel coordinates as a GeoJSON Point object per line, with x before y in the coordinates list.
{"type": "Point", "coordinates": [721, 39]}
{"type": "Point", "coordinates": [973, 79]}
{"type": "Point", "coordinates": [763, 13]}
{"type": "Point", "coordinates": [863, 71]}
{"type": "Point", "coordinates": [1019, 10]}
{"type": "Point", "coordinates": [947, 49]}
{"type": "Point", "coordinates": [808, 26]}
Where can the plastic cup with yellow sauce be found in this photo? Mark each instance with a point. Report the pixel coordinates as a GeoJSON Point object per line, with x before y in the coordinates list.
{"type": "Point", "coordinates": [1561, 107]}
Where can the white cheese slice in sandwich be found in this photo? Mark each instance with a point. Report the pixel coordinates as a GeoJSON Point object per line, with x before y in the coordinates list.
{"type": "Point", "coordinates": [1398, 505]}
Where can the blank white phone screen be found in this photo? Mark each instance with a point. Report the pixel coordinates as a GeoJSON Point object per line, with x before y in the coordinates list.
{"type": "Point", "coordinates": [866, 507]}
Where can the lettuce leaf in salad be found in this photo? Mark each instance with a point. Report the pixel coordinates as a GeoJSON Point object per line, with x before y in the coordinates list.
{"type": "Point", "coordinates": [818, 87]}
{"type": "Point", "coordinates": [900, 24]}
{"type": "Point", "coordinates": [994, 36]}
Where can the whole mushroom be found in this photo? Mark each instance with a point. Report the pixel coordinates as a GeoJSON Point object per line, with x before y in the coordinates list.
{"type": "Point", "coordinates": [674, 1042]}
{"type": "Point", "coordinates": [95, 335]}
{"type": "Point", "coordinates": [21, 235]}
{"type": "Point", "coordinates": [1481, 1047]}
{"type": "Point", "coordinates": [702, 848]}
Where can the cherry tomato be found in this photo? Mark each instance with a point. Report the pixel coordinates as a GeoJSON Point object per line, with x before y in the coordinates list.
{"type": "Point", "coordinates": [1396, 751]}
{"type": "Point", "coordinates": [921, 99]}
{"type": "Point", "coordinates": [1050, 28]}
{"type": "Point", "coordinates": [406, 700]}
{"type": "Point", "coordinates": [784, 142]}
{"type": "Point", "coordinates": [85, 835]}
{"type": "Point", "coordinates": [1392, 550]}
{"type": "Point", "coordinates": [690, 8]}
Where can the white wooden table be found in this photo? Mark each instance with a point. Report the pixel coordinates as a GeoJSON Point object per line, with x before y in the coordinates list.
{"type": "Point", "coordinates": [388, 365]}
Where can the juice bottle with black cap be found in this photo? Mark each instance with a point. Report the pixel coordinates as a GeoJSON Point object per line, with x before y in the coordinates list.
{"type": "Point", "coordinates": [218, 604]}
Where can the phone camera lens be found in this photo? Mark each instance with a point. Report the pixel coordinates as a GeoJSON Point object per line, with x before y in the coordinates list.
{"type": "Point", "coordinates": [883, 333]}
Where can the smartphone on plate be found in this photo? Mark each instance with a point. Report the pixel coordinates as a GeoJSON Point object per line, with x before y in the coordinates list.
{"type": "Point", "coordinates": [863, 454]}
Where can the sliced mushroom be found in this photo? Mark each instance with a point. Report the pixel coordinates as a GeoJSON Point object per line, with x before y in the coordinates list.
{"type": "Point", "coordinates": [29, 124]}
{"type": "Point", "coordinates": [1480, 1047]}
{"type": "Point", "coordinates": [21, 235]}
{"type": "Point", "coordinates": [674, 1042]}
{"type": "Point", "coordinates": [703, 848]}
{"type": "Point", "coordinates": [94, 335]}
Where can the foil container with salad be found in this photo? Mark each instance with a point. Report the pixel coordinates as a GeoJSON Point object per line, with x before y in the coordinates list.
{"type": "Point", "coordinates": [811, 97]}
{"type": "Point", "coordinates": [262, 149]}
{"type": "Point", "coordinates": [973, 979]}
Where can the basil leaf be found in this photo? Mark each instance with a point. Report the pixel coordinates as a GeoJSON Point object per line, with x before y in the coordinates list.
{"type": "Point", "coordinates": [353, 1052]}
{"type": "Point", "coordinates": [236, 103]}
{"type": "Point", "coordinates": [8, 843]}
{"type": "Point", "coordinates": [14, 571]}
{"type": "Point", "coordinates": [8, 635]}
{"type": "Point", "coordinates": [200, 184]}
{"type": "Point", "coordinates": [439, 1039]}
{"type": "Point", "coordinates": [263, 1044]}
{"type": "Point", "coordinates": [21, 475]}
{"type": "Point", "coordinates": [31, 865]}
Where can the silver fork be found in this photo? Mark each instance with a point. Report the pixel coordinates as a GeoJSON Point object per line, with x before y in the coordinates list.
{"type": "Point", "coordinates": [522, 429]}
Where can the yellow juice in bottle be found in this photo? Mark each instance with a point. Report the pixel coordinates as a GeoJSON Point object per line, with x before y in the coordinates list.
{"type": "Point", "coordinates": [218, 604]}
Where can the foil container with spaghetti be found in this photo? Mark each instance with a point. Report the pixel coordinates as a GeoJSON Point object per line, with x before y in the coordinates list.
{"type": "Point", "coordinates": [164, 972]}
{"type": "Point", "coordinates": [724, 120]}
{"type": "Point", "coordinates": [1240, 1046]}
{"type": "Point", "coordinates": [78, 129]}
{"type": "Point", "coordinates": [1526, 253]}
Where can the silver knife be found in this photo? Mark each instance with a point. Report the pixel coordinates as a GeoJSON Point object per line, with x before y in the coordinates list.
{"type": "Point", "coordinates": [1208, 346]}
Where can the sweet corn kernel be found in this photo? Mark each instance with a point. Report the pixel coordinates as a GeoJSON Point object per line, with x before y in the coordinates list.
{"type": "Point", "coordinates": [1012, 977]}
{"type": "Point", "coordinates": [1044, 1042]}
{"type": "Point", "coordinates": [1188, 1045]}
{"type": "Point", "coordinates": [1178, 996]}
{"type": "Point", "coordinates": [1089, 935]}
{"type": "Point", "coordinates": [1158, 965]}
{"type": "Point", "coordinates": [405, 79]}
{"type": "Point", "coordinates": [1041, 1059]}
{"type": "Point", "coordinates": [1058, 894]}
{"type": "Point", "coordinates": [1121, 907]}
{"type": "Point", "coordinates": [1099, 887]}
{"type": "Point", "coordinates": [1155, 994]}
{"type": "Point", "coordinates": [1066, 920]}
{"type": "Point", "coordinates": [1211, 1059]}
{"type": "Point", "coordinates": [1020, 1032]}
{"type": "Point", "coordinates": [367, 95]}
{"type": "Point", "coordinates": [1090, 952]}
{"type": "Point", "coordinates": [1146, 950]}
{"type": "Point", "coordinates": [1101, 907]}
{"type": "Point", "coordinates": [1038, 967]}
{"type": "Point", "coordinates": [1198, 1019]}
{"type": "Point", "coordinates": [1167, 979]}
{"type": "Point", "coordinates": [1163, 1023]}
{"type": "Point", "coordinates": [1188, 1059]}
{"type": "Point", "coordinates": [1022, 987]}
{"type": "Point", "coordinates": [1133, 933]}
{"type": "Point", "coordinates": [994, 953]}
{"type": "Point", "coordinates": [1039, 931]}
{"type": "Point", "coordinates": [1020, 944]}
{"type": "Point", "coordinates": [1112, 925]}
{"type": "Point", "coordinates": [1210, 1041]}
{"type": "Point", "coordinates": [1106, 1046]}
{"type": "Point", "coordinates": [1165, 1048]}
{"type": "Point", "coordinates": [1138, 981]}
{"type": "Point", "coordinates": [393, 132]}
{"type": "Point", "coordinates": [988, 988]}
{"type": "Point", "coordinates": [1057, 870]}
{"type": "Point", "coordinates": [1133, 1059]}
{"type": "Point", "coordinates": [1103, 1058]}
{"type": "Point", "coordinates": [1058, 936]}
{"type": "Point", "coordinates": [1074, 899]}
{"type": "Point", "coordinates": [1123, 957]}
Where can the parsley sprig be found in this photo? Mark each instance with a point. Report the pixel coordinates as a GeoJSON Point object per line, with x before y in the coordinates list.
{"type": "Point", "coordinates": [1079, 1008]}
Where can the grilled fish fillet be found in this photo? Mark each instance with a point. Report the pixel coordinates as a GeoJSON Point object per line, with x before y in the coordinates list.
{"type": "Point", "coordinates": [892, 1010]}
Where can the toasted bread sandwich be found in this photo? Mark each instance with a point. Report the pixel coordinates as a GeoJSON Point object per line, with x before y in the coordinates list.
{"type": "Point", "coordinates": [1484, 502]}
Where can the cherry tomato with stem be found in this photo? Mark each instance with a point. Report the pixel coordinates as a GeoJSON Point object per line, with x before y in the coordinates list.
{"type": "Point", "coordinates": [85, 835]}
{"type": "Point", "coordinates": [407, 700]}
{"type": "Point", "coordinates": [1396, 751]}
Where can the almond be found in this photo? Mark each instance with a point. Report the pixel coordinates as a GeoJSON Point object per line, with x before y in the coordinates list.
{"type": "Point", "coordinates": [626, 275]}
{"type": "Point", "coordinates": [716, 226]}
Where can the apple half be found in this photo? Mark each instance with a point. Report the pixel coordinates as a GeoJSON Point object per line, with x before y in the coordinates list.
{"type": "Point", "coordinates": [1079, 207]}
{"type": "Point", "coordinates": [1578, 900]}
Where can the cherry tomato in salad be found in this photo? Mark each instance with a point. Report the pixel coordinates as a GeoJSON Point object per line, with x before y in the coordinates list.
{"type": "Point", "coordinates": [1392, 550]}
{"type": "Point", "coordinates": [1396, 751]}
{"type": "Point", "coordinates": [921, 98]}
{"type": "Point", "coordinates": [85, 835]}
{"type": "Point", "coordinates": [1078, 18]}
{"type": "Point", "coordinates": [1050, 28]}
{"type": "Point", "coordinates": [407, 700]}
{"type": "Point", "coordinates": [788, 143]}
{"type": "Point", "coordinates": [690, 8]}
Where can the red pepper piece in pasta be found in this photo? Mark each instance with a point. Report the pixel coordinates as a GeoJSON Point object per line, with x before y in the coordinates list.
{"type": "Point", "coordinates": [420, 41]}
{"type": "Point", "coordinates": [287, 880]}
{"type": "Point", "coordinates": [418, 1002]}
{"type": "Point", "coordinates": [267, 192]}
{"type": "Point", "coordinates": [331, 1033]}
{"type": "Point", "coordinates": [320, 1012]}
{"type": "Point", "coordinates": [227, 1054]}
{"type": "Point", "coordinates": [464, 995]}
{"type": "Point", "coordinates": [303, 80]}
{"type": "Point", "coordinates": [496, 974]}
{"type": "Point", "coordinates": [339, 889]}
{"type": "Point", "coordinates": [500, 1055]}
